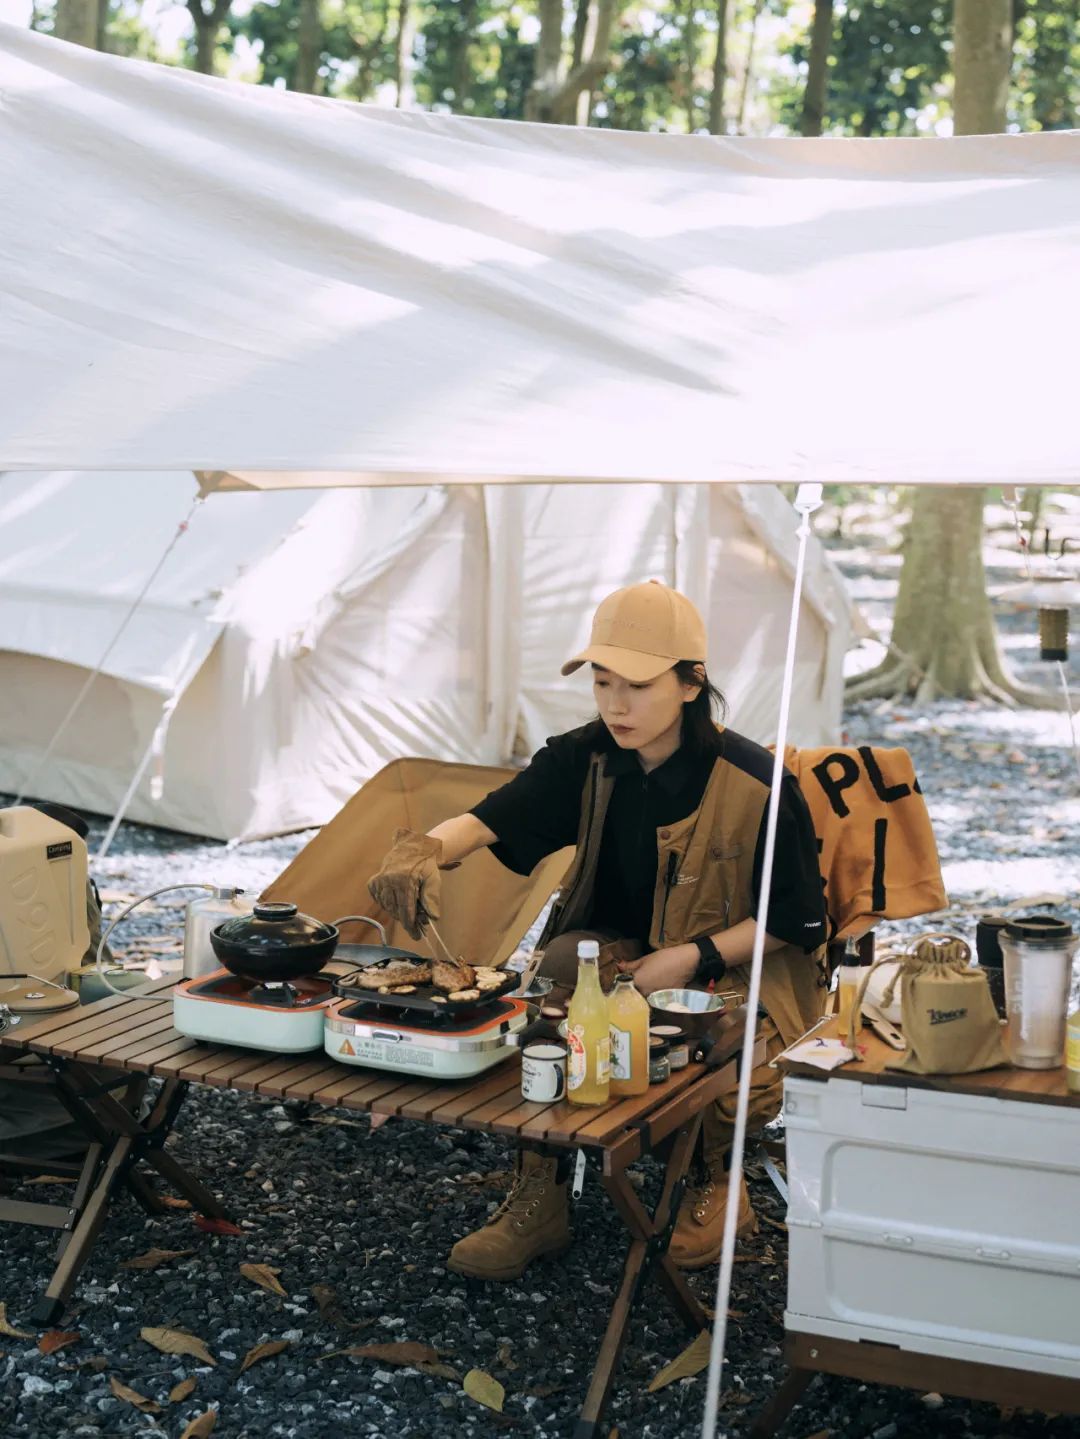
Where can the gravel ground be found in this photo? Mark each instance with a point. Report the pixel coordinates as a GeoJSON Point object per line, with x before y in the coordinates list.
{"type": "Point", "coordinates": [328, 1202]}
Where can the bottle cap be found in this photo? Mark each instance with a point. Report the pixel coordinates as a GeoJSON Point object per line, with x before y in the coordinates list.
{"type": "Point", "coordinates": [588, 949]}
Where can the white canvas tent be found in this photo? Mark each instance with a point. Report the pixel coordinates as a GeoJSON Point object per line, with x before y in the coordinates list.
{"type": "Point", "coordinates": [306, 639]}
{"type": "Point", "coordinates": [197, 274]}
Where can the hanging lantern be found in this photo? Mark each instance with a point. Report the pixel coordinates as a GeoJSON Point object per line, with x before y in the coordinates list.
{"type": "Point", "coordinates": [1052, 594]}
{"type": "Point", "coordinates": [1053, 632]}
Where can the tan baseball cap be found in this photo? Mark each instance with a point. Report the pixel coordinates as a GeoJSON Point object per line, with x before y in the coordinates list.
{"type": "Point", "coordinates": [641, 631]}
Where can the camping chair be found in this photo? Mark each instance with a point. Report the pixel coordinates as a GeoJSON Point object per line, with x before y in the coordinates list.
{"type": "Point", "coordinates": [487, 909]}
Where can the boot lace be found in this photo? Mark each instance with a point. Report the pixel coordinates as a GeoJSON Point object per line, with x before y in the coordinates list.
{"type": "Point", "coordinates": [521, 1202]}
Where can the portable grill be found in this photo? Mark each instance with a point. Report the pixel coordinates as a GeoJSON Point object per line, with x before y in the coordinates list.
{"type": "Point", "coordinates": [224, 1008]}
{"type": "Point", "coordinates": [452, 1042]}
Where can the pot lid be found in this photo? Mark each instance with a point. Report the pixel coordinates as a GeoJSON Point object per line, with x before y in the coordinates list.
{"type": "Point", "coordinates": [275, 926]}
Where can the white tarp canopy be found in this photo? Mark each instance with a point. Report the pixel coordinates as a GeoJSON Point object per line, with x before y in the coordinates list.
{"type": "Point", "coordinates": [204, 275]}
{"type": "Point", "coordinates": [305, 639]}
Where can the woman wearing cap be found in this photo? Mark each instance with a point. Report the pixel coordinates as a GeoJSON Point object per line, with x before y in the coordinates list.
{"type": "Point", "coordinates": [667, 811]}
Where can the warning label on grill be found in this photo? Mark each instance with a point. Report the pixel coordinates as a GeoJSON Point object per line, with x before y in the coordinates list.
{"type": "Point", "coordinates": [58, 851]}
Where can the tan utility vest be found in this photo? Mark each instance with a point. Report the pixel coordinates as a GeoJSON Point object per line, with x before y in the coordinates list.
{"type": "Point", "coordinates": [704, 884]}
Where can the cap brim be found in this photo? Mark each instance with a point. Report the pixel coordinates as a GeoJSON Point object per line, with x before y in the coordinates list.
{"type": "Point", "coordinates": [627, 664]}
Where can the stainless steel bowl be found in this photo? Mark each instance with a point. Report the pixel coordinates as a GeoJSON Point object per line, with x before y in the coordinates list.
{"type": "Point", "coordinates": [695, 1011]}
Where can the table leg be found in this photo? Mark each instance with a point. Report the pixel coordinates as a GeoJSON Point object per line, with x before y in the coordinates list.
{"type": "Point", "coordinates": [94, 1155]}
{"type": "Point", "coordinates": [650, 1235]}
{"type": "Point", "coordinates": [774, 1414]}
{"type": "Point", "coordinates": [119, 1141]}
{"type": "Point", "coordinates": [50, 1306]}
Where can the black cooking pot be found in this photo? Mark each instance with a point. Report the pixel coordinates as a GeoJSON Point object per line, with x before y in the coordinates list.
{"type": "Point", "coordinates": [274, 943]}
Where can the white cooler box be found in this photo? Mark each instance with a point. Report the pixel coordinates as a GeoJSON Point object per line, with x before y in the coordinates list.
{"type": "Point", "coordinates": [942, 1223]}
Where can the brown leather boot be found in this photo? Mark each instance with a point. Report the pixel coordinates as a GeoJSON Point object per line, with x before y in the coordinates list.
{"type": "Point", "coordinates": [532, 1220]}
{"type": "Point", "coordinates": [699, 1229]}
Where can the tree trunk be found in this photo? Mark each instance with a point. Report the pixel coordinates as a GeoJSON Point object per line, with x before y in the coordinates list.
{"type": "Point", "coordinates": [982, 54]}
{"type": "Point", "coordinates": [558, 99]}
{"type": "Point", "coordinates": [581, 25]}
{"type": "Point", "coordinates": [78, 21]}
{"type": "Point", "coordinates": [403, 55]}
{"type": "Point", "coordinates": [309, 40]}
{"type": "Point", "coordinates": [719, 73]}
{"type": "Point", "coordinates": [817, 76]}
{"type": "Point", "coordinates": [207, 24]}
{"type": "Point", "coordinates": [943, 639]}
{"type": "Point", "coordinates": [460, 68]}
{"type": "Point", "coordinates": [748, 70]}
{"type": "Point", "coordinates": [689, 49]}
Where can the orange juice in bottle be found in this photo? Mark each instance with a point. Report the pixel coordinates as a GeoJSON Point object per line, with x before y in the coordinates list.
{"type": "Point", "coordinates": [588, 1071]}
{"type": "Point", "coordinates": [628, 1014]}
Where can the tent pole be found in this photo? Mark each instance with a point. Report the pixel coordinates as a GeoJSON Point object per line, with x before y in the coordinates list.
{"type": "Point", "coordinates": [76, 704]}
{"type": "Point", "coordinates": [807, 501]}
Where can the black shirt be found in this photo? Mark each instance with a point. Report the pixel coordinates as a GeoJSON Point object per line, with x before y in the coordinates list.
{"type": "Point", "coordinates": [538, 811]}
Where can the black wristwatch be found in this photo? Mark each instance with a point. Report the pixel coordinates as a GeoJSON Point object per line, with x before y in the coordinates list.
{"type": "Point", "coordinates": [711, 963]}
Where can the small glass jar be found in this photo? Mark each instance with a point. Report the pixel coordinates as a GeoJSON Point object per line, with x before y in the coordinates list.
{"type": "Point", "coordinates": [659, 1063]}
{"type": "Point", "coordinates": [677, 1042]}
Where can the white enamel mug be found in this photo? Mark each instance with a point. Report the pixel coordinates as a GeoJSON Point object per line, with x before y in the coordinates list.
{"type": "Point", "coordinates": [543, 1071]}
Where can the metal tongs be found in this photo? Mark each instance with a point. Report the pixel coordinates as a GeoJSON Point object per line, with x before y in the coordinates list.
{"type": "Point", "coordinates": [428, 923]}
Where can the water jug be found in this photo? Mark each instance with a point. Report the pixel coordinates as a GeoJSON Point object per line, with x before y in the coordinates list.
{"type": "Point", "coordinates": [43, 930]}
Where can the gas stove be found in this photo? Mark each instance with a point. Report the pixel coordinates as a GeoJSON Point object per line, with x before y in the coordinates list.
{"type": "Point", "coordinates": [284, 1017]}
{"type": "Point", "coordinates": [454, 1046]}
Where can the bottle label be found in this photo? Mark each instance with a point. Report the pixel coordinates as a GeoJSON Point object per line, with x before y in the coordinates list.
{"type": "Point", "coordinates": [603, 1059]}
{"type": "Point", "coordinates": [620, 1053]}
{"type": "Point", "coordinates": [575, 1069]}
{"type": "Point", "coordinates": [1072, 1048]}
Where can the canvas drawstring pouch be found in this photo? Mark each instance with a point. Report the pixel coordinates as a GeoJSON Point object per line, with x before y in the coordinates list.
{"type": "Point", "coordinates": [947, 1014]}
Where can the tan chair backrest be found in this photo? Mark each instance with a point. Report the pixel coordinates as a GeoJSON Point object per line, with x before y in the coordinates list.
{"type": "Point", "coordinates": [487, 909]}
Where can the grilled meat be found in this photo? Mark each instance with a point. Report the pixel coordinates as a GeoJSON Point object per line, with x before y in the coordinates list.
{"type": "Point", "coordinates": [450, 977]}
{"type": "Point", "coordinates": [394, 972]}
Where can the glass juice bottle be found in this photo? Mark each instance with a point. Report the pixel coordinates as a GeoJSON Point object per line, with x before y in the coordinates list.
{"type": "Point", "coordinates": [628, 1014]}
{"type": "Point", "coordinates": [851, 975]}
{"type": "Point", "coordinates": [587, 1035]}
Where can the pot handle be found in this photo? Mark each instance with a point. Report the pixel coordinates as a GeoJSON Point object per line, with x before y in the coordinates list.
{"type": "Point", "coordinates": [362, 919]}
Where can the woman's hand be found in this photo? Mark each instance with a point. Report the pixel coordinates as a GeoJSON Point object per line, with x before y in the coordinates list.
{"type": "Point", "coordinates": [672, 968]}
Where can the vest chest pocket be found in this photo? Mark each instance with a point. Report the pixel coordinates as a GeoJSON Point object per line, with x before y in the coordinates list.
{"type": "Point", "coordinates": [714, 904]}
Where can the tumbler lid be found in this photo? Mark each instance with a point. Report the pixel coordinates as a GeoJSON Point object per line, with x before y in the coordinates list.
{"type": "Point", "coordinates": [1045, 929]}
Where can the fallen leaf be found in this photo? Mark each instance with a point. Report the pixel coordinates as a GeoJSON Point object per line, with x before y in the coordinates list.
{"type": "Point", "coordinates": [6, 1328]}
{"type": "Point", "coordinates": [58, 1339]}
{"type": "Point", "coordinates": [544, 1391]}
{"type": "Point", "coordinates": [378, 1120]}
{"type": "Point", "coordinates": [440, 1370]}
{"type": "Point", "coordinates": [820, 1434]}
{"type": "Point", "coordinates": [330, 1309]}
{"type": "Point", "coordinates": [177, 1341]}
{"type": "Point", "coordinates": [485, 1390]}
{"type": "Point", "coordinates": [693, 1359]}
{"type": "Point", "coordinates": [51, 1179]}
{"type": "Point", "coordinates": [155, 1258]}
{"type": "Point", "coordinates": [201, 1425]}
{"type": "Point", "coordinates": [170, 1201]}
{"type": "Point", "coordinates": [180, 1392]}
{"type": "Point", "coordinates": [97, 1362]}
{"type": "Point", "coordinates": [263, 1351]}
{"type": "Point", "coordinates": [264, 1276]}
{"type": "Point", "coordinates": [407, 1351]}
{"type": "Point", "coordinates": [775, 1223]}
{"type": "Point", "coordinates": [504, 1356]}
{"type": "Point", "coordinates": [132, 1396]}
{"type": "Point", "coordinates": [216, 1226]}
